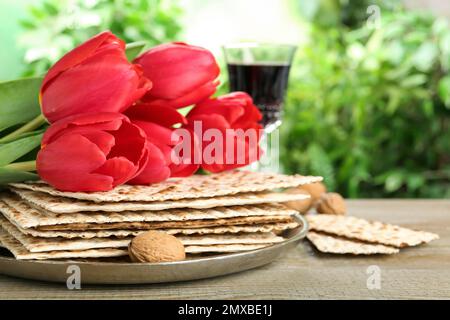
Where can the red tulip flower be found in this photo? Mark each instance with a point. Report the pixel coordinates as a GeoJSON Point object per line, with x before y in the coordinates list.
{"type": "Point", "coordinates": [182, 74]}
{"type": "Point", "coordinates": [236, 118]}
{"type": "Point", "coordinates": [94, 77]}
{"type": "Point", "coordinates": [92, 152]}
{"type": "Point", "coordinates": [159, 123]}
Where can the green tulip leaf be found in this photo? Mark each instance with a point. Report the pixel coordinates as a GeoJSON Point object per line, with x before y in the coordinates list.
{"type": "Point", "coordinates": [8, 139]}
{"type": "Point", "coordinates": [134, 49]}
{"type": "Point", "coordinates": [14, 150]}
{"type": "Point", "coordinates": [11, 175]}
{"type": "Point", "coordinates": [19, 102]}
{"type": "Point", "coordinates": [31, 133]}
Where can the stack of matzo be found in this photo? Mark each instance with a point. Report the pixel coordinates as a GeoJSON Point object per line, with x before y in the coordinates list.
{"type": "Point", "coordinates": [227, 212]}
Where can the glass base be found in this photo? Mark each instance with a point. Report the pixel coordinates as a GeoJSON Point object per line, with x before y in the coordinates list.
{"type": "Point", "coordinates": [271, 127]}
{"type": "Point", "coordinates": [270, 145]}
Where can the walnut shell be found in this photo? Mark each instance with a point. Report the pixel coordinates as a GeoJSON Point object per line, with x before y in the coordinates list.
{"type": "Point", "coordinates": [301, 206]}
{"type": "Point", "coordinates": [156, 246]}
{"type": "Point", "coordinates": [331, 203]}
{"type": "Point", "coordinates": [315, 190]}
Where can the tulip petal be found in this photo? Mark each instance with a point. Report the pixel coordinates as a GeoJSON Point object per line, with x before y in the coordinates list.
{"type": "Point", "coordinates": [157, 134]}
{"type": "Point", "coordinates": [251, 115]}
{"type": "Point", "coordinates": [252, 152]}
{"type": "Point", "coordinates": [237, 95]}
{"type": "Point", "coordinates": [80, 53]}
{"type": "Point", "coordinates": [94, 156]}
{"type": "Point", "coordinates": [162, 115]}
{"type": "Point", "coordinates": [184, 165]}
{"type": "Point", "coordinates": [80, 123]}
{"type": "Point", "coordinates": [119, 168]}
{"type": "Point", "coordinates": [130, 142]}
{"type": "Point", "coordinates": [190, 98]}
{"type": "Point", "coordinates": [208, 121]}
{"type": "Point", "coordinates": [103, 140]}
{"type": "Point", "coordinates": [142, 88]}
{"type": "Point", "coordinates": [230, 110]}
{"type": "Point", "coordinates": [166, 151]}
{"type": "Point", "coordinates": [143, 162]}
{"type": "Point", "coordinates": [185, 170]}
{"type": "Point", "coordinates": [156, 169]}
{"type": "Point", "coordinates": [178, 68]}
{"type": "Point", "coordinates": [226, 159]}
{"type": "Point", "coordinates": [237, 108]}
{"type": "Point", "coordinates": [80, 157]}
{"type": "Point", "coordinates": [100, 84]}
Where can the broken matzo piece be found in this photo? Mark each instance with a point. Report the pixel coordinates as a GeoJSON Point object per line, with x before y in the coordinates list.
{"type": "Point", "coordinates": [332, 244]}
{"type": "Point", "coordinates": [369, 231]}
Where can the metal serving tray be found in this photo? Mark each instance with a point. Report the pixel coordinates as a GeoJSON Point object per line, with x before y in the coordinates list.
{"type": "Point", "coordinates": [139, 273]}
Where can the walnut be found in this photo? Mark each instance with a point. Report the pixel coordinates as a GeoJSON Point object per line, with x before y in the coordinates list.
{"type": "Point", "coordinates": [156, 246]}
{"type": "Point", "coordinates": [315, 190]}
{"type": "Point", "coordinates": [301, 206]}
{"type": "Point", "coordinates": [331, 203]}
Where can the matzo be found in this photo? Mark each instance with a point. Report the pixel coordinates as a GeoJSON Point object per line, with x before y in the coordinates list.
{"type": "Point", "coordinates": [196, 186]}
{"type": "Point", "coordinates": [369, 231]}
{"type": "Point", "coordinates": [329, 244]}
{"type": "Point", "coordinates": [29, 217]}
{"type": "Point", "coordinates": [21, 253]}
{"type": "Point", "coordinates": [240, 238]}
{"type": "Point", "coordinates": [224, 248]}
{"type": "Point", "coordinates": [35, 244]}
{"type": "Point", "coordinates": [69, 205]}
{"type": "Point", "coordinates": [169, 224]}
{"type": "Point", "coordinates": [269, 227]}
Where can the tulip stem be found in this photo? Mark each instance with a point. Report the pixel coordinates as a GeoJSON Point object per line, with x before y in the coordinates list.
{"type": "Point", "coordinates": [22, 166]}
{"type": "Point", "coordinates": [30, 126]}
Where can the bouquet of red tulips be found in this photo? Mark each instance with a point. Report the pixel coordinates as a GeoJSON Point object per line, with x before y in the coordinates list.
{"type": "Point", "coordinates": [113, 121]}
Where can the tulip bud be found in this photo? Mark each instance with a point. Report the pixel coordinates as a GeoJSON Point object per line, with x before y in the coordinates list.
{"type": "Point", "coordinates": [236, 119]}
{"type": "Point", "coordinates": [94, 77]}
{"type": "Point", "coordinates": [182, 74]}
{"type": "Point", "coordinates": [159, 123]}
{"type": "Point", "coordinates": [92, 152]}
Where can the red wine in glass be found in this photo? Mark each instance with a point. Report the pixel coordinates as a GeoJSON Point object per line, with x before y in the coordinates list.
{"type": "Point", "coordinates": [266, 83]}
{"type": "Point", "coordinates": [261, 70]}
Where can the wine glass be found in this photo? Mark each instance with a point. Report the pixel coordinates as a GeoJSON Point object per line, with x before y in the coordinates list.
{"type": "Point", "coordinates": [262, 70]}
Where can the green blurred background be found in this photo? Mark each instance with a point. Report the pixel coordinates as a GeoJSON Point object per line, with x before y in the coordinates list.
{"type": "Point", "coordinates": [368, 104]}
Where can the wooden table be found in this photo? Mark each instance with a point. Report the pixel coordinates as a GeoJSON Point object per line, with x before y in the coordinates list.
{"type": "Point", "coordinates": [303, 273]}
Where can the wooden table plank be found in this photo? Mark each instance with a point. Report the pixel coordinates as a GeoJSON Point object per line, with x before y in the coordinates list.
{"type": "Point", "coordinates": [303, 273]}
